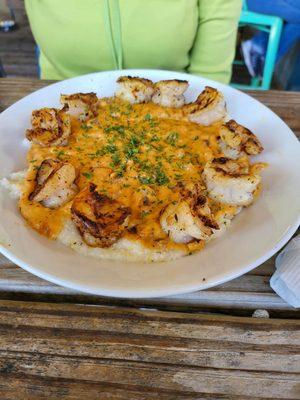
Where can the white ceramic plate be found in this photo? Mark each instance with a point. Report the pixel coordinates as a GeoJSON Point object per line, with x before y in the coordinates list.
{"type": "Point", "coordinates": [254, 236]}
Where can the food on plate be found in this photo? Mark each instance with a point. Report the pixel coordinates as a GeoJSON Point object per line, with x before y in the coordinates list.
{"type": "Point", "coordinates": [170, 93]}
{"type": "Point", "coordinates": [141, 175]}
{"type": "Point", "coordinates": [231, 181]}
{"type": "Point", "coordinates": [134, 90]}
{"type": "Point", "coordinates": [236, 140]}
{"type": "Point", "coordinates": [50, 127]}
{"type": "Point", "coordinates": [210, 107]}
{"type": "Point", "coordinates": [54, 184]}
{"type": "Point", "coordinates": [80, 105]}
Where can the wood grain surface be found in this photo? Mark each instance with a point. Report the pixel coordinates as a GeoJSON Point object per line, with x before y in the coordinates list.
{"type": "Point", "coordinates": [17, 47]}
{"type": "Point", "coordinates": [60, 351]}
{"type": "Point", "coordinates": [240, 296]}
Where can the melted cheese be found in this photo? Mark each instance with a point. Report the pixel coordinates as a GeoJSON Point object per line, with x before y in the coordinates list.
{"type": "Point", "coordinates": [136, 154]}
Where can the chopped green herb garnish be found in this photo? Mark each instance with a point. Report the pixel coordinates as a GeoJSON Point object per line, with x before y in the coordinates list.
{"type": "Point", "coordinates": [60, 154]}
{"type": "Point", "coordinates": [178, 177]}
{"type": "Point", "coordinates": [144, 166]}
{"type": "Point", "coordinates": [118, 128]}
{"type": "Point", "coordinates": [146, 180]}
{"type": "Point", "coordinates": [88, 175]}
{"type": "Point", "coordinates": [172, 138]}
{"type": "Point", "coordinates": [85, 127]}
{"type": "Point", "coordinates": [99, 152]}
{"type": "Point", "coordinates": [120, 171]}
{"type": "Point", "coordinates": [160, 177]}
{"type": "Point", "coordinates": [134, 141]}
{"type": "Point", "coordinates": [110, 148]}
{"type": "Point", "coordinates": [116, 159]}
{"type": "Point", "coordinates": [130, 150]}
{"type": "Point", "coordinates": [147, 117]}
{"type": "Point", "coordinates": [154, 138]}
{"type": "Point", "coordinates": [153, 124]}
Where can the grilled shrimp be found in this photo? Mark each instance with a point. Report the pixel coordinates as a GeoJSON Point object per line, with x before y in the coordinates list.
{"type": "Point", "coordinates": [100, 220]}
{"type": "Point", "coordinates": [236, 140]}
{"type": "Point", "coordinates": [189, 218]}
{"type": "Point", "coordinates": [54, 184]}
{"type": "Point", "coordinates": [169, 93]}
{"type": "Point", "coordinates": [230, 181]}
{"type": "Point", "coordinates": [209, 107]}
{"type": "Point", "coordinates": [134, 90]}
{"type": "Point", "coordinates": [81, 105]}
{"type": "Point", "coordinates": [51, 127]}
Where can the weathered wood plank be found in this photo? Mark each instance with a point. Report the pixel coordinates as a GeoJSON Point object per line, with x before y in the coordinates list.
{"type": "Point", "coordinates": [17, 47]}
{"type": "Point", "coordinates": [155, 349]}
{"type": "Point", "coordinates": [158, 376]}
{"type": "Point", "coordinates": [131, 321]}
{"type": "Point", "coordinates": [169, 355]}
{"type": "Point", "coordinates": [40, 388]}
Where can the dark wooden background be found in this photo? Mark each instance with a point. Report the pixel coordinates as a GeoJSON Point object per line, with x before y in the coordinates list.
{"type": "Point", "coordinates": [17, 47]}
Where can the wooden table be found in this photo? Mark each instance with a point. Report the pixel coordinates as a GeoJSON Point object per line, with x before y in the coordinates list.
{"type": "Point", "coordinates": [56, 343]}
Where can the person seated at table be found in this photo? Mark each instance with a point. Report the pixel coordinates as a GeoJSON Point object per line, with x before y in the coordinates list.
{"type": "Point", "coordinates": [76, 37]}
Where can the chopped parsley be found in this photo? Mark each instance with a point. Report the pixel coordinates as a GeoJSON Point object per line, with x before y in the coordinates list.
{"type": "Point", "coordinates": [147, 117]}
{"type": "Point", "coordinates": [117, 128]}
{"type": "Point", "coordinates": [88, 175]}
{"type": "Point", "coordinates": [130, 150]}
{"type": "Point", "coordinates": [110, 148]}
{"type": "Point", "coordinates": [178, 177]}
{"type": "Point", "coordinates": [85, 127]}
{"type": "Point", "coordinates": [154, 138]}
{"type": "Point", "coordinates": [172, 138]}
{"type": "Point", "coordinates": [116, 159]}
{"type": "Point", "coordinates": [60, 154]}
{"type": "Point", "coordinates": [99, 152]}
{"type": "Point", "coordinates": [146, 180]}
{"type": "Point", "coordinates": [160, 177]}
{"type": "Point", "coordinates": [120, 170]}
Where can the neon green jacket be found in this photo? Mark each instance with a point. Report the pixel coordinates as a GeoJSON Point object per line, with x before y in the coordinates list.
{"type": "Point", "coordinates": [82, 36]}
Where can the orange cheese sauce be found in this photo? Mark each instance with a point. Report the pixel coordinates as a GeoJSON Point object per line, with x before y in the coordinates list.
{"type": "Point", "coordinates": [136, 154]}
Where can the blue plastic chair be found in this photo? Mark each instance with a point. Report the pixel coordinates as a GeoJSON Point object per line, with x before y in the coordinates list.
{"type": "Point", "coordinates": [271, 25]}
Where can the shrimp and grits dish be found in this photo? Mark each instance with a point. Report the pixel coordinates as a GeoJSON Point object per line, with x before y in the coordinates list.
{"type": "Point", "coordinates": [139, 176]}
